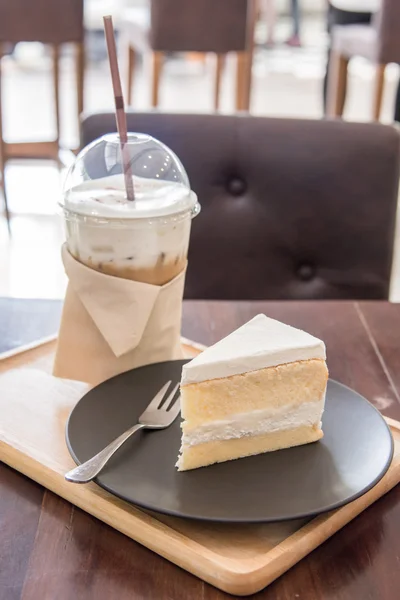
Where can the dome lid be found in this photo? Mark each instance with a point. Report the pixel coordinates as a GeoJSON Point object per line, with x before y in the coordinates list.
{"type": "Point", "coordinates": [95, 184]}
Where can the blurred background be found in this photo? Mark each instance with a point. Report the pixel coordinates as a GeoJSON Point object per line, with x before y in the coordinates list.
{"type": "Point", "coordinates": [289, 64]}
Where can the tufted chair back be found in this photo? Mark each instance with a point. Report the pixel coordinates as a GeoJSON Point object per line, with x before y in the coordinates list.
{"type": "Point", "coordinates": [291, 209]}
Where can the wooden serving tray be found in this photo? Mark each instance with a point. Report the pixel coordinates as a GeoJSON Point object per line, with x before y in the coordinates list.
{"type": "Point", "coordinates": [240, 559]}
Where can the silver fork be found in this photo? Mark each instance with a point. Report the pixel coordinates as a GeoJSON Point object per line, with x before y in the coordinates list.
{"type": "Point", "coordinates": [158, 415]}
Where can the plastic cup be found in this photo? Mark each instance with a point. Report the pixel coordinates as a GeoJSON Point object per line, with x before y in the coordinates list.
{"type": "Point", "coordinates": [146, 240]}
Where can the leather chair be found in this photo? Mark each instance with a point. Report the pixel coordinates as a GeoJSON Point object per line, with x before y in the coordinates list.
{"type": "Point", "coordinates": [291, 209]}
{"type": "Point", "coordinates": [53, 23]}
{"type": "Point", "coordinates": [203, 26]}
{"type": "Point", "coordinates": [378, 42]}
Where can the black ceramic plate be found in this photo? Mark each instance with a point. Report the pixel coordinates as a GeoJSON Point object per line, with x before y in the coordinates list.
{"type": "Point", "coordinates": [352, 457]}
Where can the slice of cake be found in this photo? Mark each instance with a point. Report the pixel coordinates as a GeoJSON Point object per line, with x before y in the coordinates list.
{"type": "Point", "coordinates": [262, 388]}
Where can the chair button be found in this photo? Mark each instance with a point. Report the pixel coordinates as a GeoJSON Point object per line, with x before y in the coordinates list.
{"type": "Point", "coordinates": [306, 272]}
{"type": "Point", "coordinates": [236, 187]}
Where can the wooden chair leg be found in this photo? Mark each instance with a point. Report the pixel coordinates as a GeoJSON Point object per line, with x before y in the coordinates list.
{"type": "Point", "coordinates": [3, 154]}
{"type": "Point", "coordinates": [248, 66]}
{"type": "Point", "coordinates": [245, 61]}
{"type": "Point", "coordinates": [378, 91]}
{"type": "Point", "coordinates": [219, 69]}
{"type": "Point", "coordinates": [337, 85]}
{"type": "Point", "coordinates": [56, 87]}
{"type": "Point", "coordinates": [157, 62]}
{"type": "Point", "coordinates": [131, 72]}
{"type": "Point", "coordinates": [80, 77]}
{"type": "Point", "coordinates": [243, 80]}
{"type": "Point", "coordinates": [240, 80]}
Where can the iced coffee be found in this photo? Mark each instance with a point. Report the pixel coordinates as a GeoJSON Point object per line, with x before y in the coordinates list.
{"type": "Point", "coordinates": [145, 240]}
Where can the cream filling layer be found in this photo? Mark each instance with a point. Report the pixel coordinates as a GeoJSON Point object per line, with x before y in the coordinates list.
{"type": "Point", "coordinates": [256, 423]}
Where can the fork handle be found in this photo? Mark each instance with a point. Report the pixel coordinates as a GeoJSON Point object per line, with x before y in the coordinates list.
{"type": "Point", "coordinates": [88, 470]}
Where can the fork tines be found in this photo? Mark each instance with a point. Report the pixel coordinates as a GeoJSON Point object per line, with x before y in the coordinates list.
{"type": "Point", "coordinates": [159, 402]}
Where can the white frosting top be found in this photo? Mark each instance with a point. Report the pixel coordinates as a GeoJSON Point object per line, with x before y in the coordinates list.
{"type": "Point", "coordinates": [260, 343]}
{"type": "Point", "coordinates": [106, 197]}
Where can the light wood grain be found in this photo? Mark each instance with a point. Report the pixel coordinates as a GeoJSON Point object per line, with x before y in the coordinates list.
{"type": "Point", "coordinates": [237, 559]}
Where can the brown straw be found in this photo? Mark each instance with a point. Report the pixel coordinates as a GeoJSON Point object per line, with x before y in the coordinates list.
{"type": "Point", "coordinates": [119, 105]}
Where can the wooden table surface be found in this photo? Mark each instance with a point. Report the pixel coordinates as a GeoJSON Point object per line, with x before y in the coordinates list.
{"type": "Point", "coordinates": [50, 550]}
